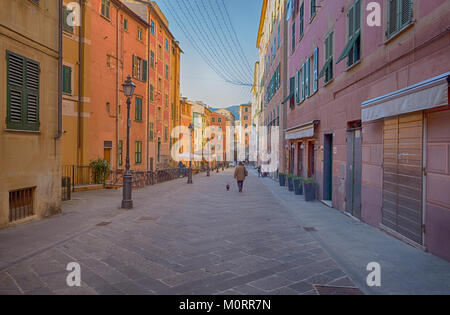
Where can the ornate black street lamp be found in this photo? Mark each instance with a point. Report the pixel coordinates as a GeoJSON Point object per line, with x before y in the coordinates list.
{"type": "Point", "coordinates": [127, 202]}
{"type": "Point", "coordinates": [191, 128]}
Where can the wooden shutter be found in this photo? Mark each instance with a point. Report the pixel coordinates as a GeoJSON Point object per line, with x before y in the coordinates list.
{"type": "Point", "coordinates": [351, 22]}
{"type": "Point", "coordinates": [144, 70]}
{"type": "Point", "coordinates": [406, 12]}
{"type": "Point", "coordinates": [392, 17]}
{"type": "Point", "coordinates": [302, 92]}
{"type": "Point", "coordinates": [308, 76]}
{"type": "Point", "coordinates": [302, 19]}
{"type": "Point", "coordinates": [15, 83]}
{"type": "Point", "coordinates": [315, 70]}
{"type": "Point", "coordinates": [357, 16]}
{"type": "Point", "coordinates": [297, 84]}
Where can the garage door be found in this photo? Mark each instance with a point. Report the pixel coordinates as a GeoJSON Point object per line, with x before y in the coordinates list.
{"type": "Point", "coordinates": [403, 175]}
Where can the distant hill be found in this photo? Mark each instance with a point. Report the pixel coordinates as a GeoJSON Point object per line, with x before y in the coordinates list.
{"type": "Point", "coordinates": [233, 109]}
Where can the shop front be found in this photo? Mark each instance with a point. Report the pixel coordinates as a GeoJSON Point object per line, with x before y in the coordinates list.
{"type": "Point", "coordinates": [412, 201]}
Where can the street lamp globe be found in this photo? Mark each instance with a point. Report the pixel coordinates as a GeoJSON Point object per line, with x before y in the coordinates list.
{"type": "Point", "coordinates": [128, 87]}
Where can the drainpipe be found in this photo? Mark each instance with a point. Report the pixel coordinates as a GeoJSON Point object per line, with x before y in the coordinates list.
{"type": "Point", "coordinates": [60, 60]}
{"type": "Point", "coordinates": [117, 85]}
{"type": "Point", "coordinates": [80, 78]}
{"type": "Point", "coordinates": [148, 99]}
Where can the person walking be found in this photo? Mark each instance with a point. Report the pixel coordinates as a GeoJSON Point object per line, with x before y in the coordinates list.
{"type": "Point", "coordinates": [240, 173]}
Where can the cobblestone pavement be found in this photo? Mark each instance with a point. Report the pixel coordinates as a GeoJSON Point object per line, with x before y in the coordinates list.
{"type": "Point", "coordinates": [179, 239]}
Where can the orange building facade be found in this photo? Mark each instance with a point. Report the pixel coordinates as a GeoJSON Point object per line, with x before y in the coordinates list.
{"type": "Point", "coordinates": [124, 39]}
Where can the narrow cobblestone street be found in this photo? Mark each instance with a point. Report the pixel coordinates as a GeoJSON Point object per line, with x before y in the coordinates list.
{"type": "Point", "coordinates": [200, 239]}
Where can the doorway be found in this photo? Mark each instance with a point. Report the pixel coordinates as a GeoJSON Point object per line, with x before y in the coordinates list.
{"type": "Point", "coordinates": [300, 160]}
{"type": "Point", "coordinates": [328, 168]}
{"type": "Point", "coordinates": [311, 161]}
{"type": "Point", "coordinates": [354, 172]}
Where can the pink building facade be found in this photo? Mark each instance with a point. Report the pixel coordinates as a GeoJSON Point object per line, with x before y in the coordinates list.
{"type": "Point", "coordinates": [368, 114]}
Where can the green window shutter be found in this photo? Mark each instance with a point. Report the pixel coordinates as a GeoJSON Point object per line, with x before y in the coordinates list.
{"type": "Point", "coordinates": [406, 12]}
{"type": "Point", "coordinates": [23, 92]}
{"type": "Point", "coordinates": [15, 91]}
{"type": "Point", "coordinates": [120, 152]}
{"type": "Point", "coordinates": [302, 75]}
{"type": "Point", "coordinates": [138, 110]}
{"type": "Point", "coordinates": [150, 129]}
{"type": "Point", "coordinates": [297, 90]}
{"type": "Point", "coordinates": [308, 77]}
{"type": "Point", "coordinates": [134, 70]}
{"type": "Point", "coordinates": [152, 59]}
{"type": "Point", "coordinates": [144, 70]}
{"type": "Point", "coordinates": [151, 92]}
{"type": "Point", "coordinates": [302, 19]}
{"type": "Point", "coordinates": [67, 80]}
{"type": "Point", "coordinates": [315, 69]}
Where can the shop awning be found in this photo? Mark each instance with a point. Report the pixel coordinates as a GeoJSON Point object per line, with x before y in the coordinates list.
{"type": "Point", "coordinates": [424, 95]}
{"type": "Point", "coordinates": [301, 131]}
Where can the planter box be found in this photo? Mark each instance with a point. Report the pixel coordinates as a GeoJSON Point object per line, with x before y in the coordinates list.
{"type": "Point", "coordinates": [310, 191]}
{"type": "Point", "coordinates": [282, 180]}
{"type": "Point", "coordinates": [291, 184]}
{"type": "Point", "coordinates": [298, 187]}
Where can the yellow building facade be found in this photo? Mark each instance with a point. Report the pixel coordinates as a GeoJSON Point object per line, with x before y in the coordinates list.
{"type": "Point", "coordinates": [30, 125]}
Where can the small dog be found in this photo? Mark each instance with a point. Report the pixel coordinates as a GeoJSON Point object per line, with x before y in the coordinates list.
{"type": "Point", "coordinates": [228, 187]}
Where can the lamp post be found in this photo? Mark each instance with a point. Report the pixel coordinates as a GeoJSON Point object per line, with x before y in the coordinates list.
{"type": "Point", "coordinates": [127, 202]}
{"type": "Point", "coordinates": [190, 154]}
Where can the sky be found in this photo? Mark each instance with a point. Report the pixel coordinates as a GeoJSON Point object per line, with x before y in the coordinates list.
{"type": "Point", "coordinates": [198, 81]}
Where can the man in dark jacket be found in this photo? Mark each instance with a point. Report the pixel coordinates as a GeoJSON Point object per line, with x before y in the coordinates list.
{"type": "Point", "coordinates": [240, 173]}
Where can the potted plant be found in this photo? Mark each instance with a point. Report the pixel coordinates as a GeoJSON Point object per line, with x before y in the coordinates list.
{"type": "Point", "coordinates": [290, 178]}
{"type": "Point", "coordinates": [309, 188]}
{"type": "Point", "coordinates": [282, 178]}
{"type": "Point", "coordinates": [100, 169]}
{"type": "Point", "coordinates": [298, 186]}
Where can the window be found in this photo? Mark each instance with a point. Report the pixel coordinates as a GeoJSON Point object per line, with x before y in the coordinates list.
{"type": "Point", "coordinates": [166, 134]}
{"type": "Point", "coordinates": [106, 8]}
{"type": "Point", "coordinates": [150, 132]}
{"type": "Point", "coordinates": [352, 50]}
{"type": "Point", "coordinates": [139, 68]}
{"type": "Point", "coordinates": [246, 109]}
{"type": "Point", "coordinates": [139, 33]}
{"type": "Point", "coordinates": [152, 59]}
{"type": "Point", "coordinates": [23, 86]}
{"type": "Point", "coordinates": [302, 19]}
{"type": "Point", "coordinates": [159, 84]}
{"type": "Point", "coordinates": [160, 52]}
{"type": "Point", "coordinates": [213, 120]}
{"type": "Point", "coordinates": [245, 118]}
{"type": "Point", "coordinates": [138, 109]}
{"type": "Point", "coordinates": [313, 8]}
{"type": "Point", "coordinates": [120, 152]}
{"type": "Point", "coordinates": [151, 93]}
{"type": "Point", "coordinates": [327, 69]}
{"type": "Point", "coordinates": [220, 120]}
{"type": "Point", "coordinates": [167, 44]}
{"type": "Point", "coordinates": [66, 26]}
{"type": "Point", "coordinates": [152, 27]}
{"type": "Point", "coordinates": [125, 24]}
{"type": "Point", "coordinates": [138, 152]}
{"type": "Point", "coordinates": [399, 16]}
{"type": "Point", "coordinates": [297, 87]}
{"type": "Point", "coordinates": [167, 101]}
{"type": "Point", "coordinates": [167, 72]}
{"type": "Point", "coordinates": [67, 80]}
